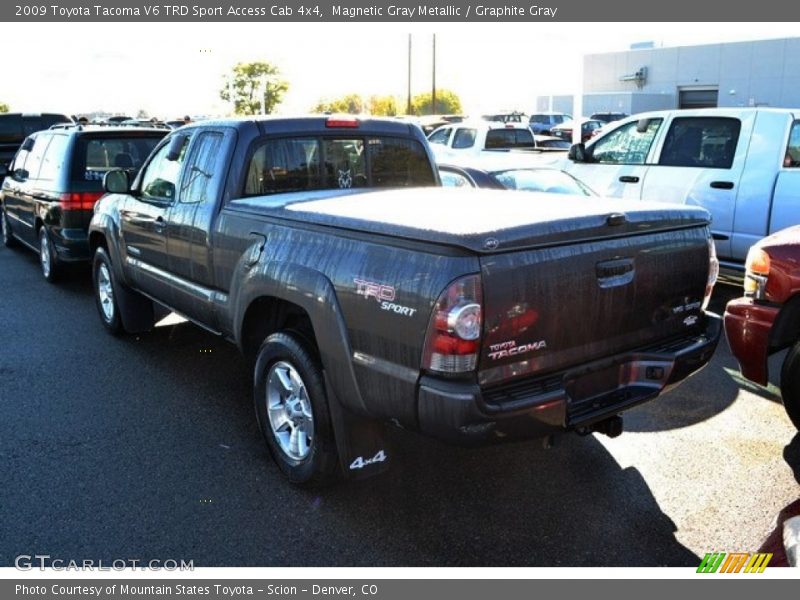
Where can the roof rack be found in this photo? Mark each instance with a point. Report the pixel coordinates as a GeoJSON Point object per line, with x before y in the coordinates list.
{"type": "Point", "coordinates": [66, 126]}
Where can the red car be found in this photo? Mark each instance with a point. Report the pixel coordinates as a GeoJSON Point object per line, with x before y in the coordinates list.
{"type": "Point", "coordinates": [767, 318]}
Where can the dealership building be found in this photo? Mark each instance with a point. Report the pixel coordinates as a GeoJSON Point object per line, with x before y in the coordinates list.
{"type": "Point", "coordinates": [757, 73]}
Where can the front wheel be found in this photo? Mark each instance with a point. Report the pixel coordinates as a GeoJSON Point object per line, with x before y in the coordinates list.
{"type": "Point", "coordinates": [292, 410]}
{"type": "Point", "coordinates": [104, 295]}
{"type": "Point", "coordinates": [790, 384]}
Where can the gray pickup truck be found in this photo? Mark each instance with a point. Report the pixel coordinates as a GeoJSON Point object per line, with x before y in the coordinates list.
{"type": "Point", "coordinates": [468, 315]}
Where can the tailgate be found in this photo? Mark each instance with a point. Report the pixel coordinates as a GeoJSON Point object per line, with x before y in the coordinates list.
{"type": "Point", "coordinates": [554, 308]}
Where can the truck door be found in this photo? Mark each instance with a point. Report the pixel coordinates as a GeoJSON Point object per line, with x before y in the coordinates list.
{"type": "Point", "coordinates": [144, 220]}
{"type": "Point", "coordinates": [619, 161]}
{"type": "Point", "coordinates": [191, 218]}
{"type": "Point", "coordinates": [700, 162]}
{"type": "Point", "coordinates": [786, 199]}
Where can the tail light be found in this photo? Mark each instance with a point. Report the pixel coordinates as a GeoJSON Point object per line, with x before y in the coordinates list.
{"type": "Point", "coordinates": [78, 200]}
{"type": "Point", "coordinates": [453, 339]}
{"type": "Point", "coordinates": [756, 274]}
{"type": "Point", "coordinates": [713, 272]}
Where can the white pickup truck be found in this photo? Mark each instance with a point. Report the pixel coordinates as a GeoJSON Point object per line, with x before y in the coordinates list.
{"type": "Point", "coordinates": [470, 140]}
{"type": "Point", "coordinates": [741, 164]}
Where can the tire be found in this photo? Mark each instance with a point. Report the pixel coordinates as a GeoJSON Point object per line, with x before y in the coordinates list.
{"type": "Point", "coordinates": [105, 297]}
{"type": "Point", "coordinates": [292, 410]}
{"type": "Point", "coordinates": [790, 384]}
{"type": "Point", "coordinates": [48, 260]}
{"type": "Point", "coordinates": [9, 241]}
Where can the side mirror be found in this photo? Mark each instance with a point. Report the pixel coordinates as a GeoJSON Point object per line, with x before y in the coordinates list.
{"type": "Point", "coordinates": [577, 153]}
{"type": "Point", "coordinates": [175, 146]}
{"type": "Point", "coordinates": [117, 181]}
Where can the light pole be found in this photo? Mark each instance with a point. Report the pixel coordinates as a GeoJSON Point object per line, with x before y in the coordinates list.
{"type": "Point", "coordinates": [433, 87]}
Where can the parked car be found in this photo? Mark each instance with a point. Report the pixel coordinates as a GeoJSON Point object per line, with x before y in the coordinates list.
{"type": "Point", "coordinates": [608, 117]}
{"type": "Point", "coordinates": [588, 129]}
{"type": "Point", "coordinates": [767, 319]}
{"type": "Point", "coordinates": [511, 175]}
{"type": "Point", "coordinates": [15, 127]}
{"type": "Point", "coordinates": [739, 163]}
{"type": "Point", "coordinates": [458, 141]}
{"type": "Point", "coordinates": [506, 117]}
{"type": "Point", "coordinates": [117, 119]}
{"type": "Point", "coordinates": [549, 141]}
{"type": "Point", "coordinates": [53, 183]}
{"type": "Point", "coordinates": [542, 122]}
{"type": "Point", "coordinates": [469, 315]}
{"type": "Point", "coordinates": [429, 123]}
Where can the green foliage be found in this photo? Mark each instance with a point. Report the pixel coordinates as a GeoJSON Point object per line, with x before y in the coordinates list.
{"type": "Point", "coordinates": [4, 108]}
{"type": "Point", "coordinates": [385, 106]}
{"type": "Point", "coordinates": [351, 103]}
{"type": "Point", "coordinates": [447, 103]}
{"type": "Point", "coordinates": [247, 81]}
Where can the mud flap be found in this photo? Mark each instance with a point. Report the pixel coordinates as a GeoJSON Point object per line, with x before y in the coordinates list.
{"type": "Point", "coordinates": [135, 311]}
{"type": "Point", "coordinates": [361, 442]}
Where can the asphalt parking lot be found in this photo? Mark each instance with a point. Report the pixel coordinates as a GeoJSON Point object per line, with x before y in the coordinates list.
{"type": "Point", "coordinates": [146, 447]}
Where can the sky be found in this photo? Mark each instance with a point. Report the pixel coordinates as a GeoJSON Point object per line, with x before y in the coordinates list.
{"type": "Point", "coordinates": [170, 70]}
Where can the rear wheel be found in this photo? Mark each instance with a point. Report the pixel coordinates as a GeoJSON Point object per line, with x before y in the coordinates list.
{"type": "Point", "coordinates": [104, 296]}
{"type": "Point", "coordinates": [292, 410]}
{"type": "Point", "coordinates": [8, 238]}
{"type": "Point", "coordinates": [790, 384]}
{"type": "Point", "coordinates": [51, 268]}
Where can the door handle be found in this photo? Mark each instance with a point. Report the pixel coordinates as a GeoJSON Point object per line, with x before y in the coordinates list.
{"type": "Point", "coordinates": [158, 224]}
{"type": "Point", "coordinates": [629, 179]}
{"type": "Point", "coordinates": [722, 185]}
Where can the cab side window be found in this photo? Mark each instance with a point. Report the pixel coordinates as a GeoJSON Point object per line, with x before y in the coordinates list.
{"type": "Point", "coordinates": [708, 142]}
{"type": "Point", "coordinates": [441, 136]}
{"type": "Point", "coordinates": [203, 177]}
{"type": "Point", "coordinates": [464, 138]}
{"type": "Point", "coordinates": [627, 145]}
{"type": "Point", "coordinates": [792, 158]}
{"type": "Point", "coordinates": [160, 179]}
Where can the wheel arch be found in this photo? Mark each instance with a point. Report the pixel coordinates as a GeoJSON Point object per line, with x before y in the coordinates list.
{"type": "Point", "coordinates": [786, 329]}
{"type": "Point", "coordinates": [278, 296]}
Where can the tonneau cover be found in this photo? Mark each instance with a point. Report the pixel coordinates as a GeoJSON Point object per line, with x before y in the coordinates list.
{"type": "Point", "coordinates": [477, 220]}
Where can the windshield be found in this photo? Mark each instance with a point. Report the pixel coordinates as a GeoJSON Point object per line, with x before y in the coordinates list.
{"type": "Point", "coordinates": [541, 180]}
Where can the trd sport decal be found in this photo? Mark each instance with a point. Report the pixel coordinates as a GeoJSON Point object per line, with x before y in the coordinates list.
{"type": "Point", "coordinates": [383, 295]}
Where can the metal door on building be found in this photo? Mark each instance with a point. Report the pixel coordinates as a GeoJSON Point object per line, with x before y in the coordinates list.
{"type": "Point", "coordinates": [698, 98]}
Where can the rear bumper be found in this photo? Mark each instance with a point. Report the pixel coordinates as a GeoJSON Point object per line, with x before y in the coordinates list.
{"type": "Point", "coordinates": [72, 245]}
{"type": "Point", "coordinates": [747, 328]}
{"type": "Point", "coordinates": [573, 399]}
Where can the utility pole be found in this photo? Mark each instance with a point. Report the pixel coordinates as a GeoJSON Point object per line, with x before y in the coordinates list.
{"type": "Point", "coordinates": [408, 105]}
{"type": "Point", "coordinates": [433, 87]}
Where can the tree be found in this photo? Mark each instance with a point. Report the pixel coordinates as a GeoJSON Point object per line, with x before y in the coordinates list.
{"type": "Point", "coordinates": [351, 103]}
{"type": "Point", "coordinates": [4, 108]}
{"type": "Point", "coordinates": [447, 103]}
{"type": "Point", "coordinates": [385, 106]}
{"type": "Point", "coordinates": [251, 83]}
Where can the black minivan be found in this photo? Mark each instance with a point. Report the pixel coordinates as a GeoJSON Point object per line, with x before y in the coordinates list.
{"type": "Point", "coordinates": [48, 195]}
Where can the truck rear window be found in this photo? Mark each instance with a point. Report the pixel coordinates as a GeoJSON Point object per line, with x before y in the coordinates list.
{"type": "Point", "coordinates": [502, 139]}
{"type": "Point", "coordinates": [94, 157]}
{"type": "Point", "coordinates": [297, 164]}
